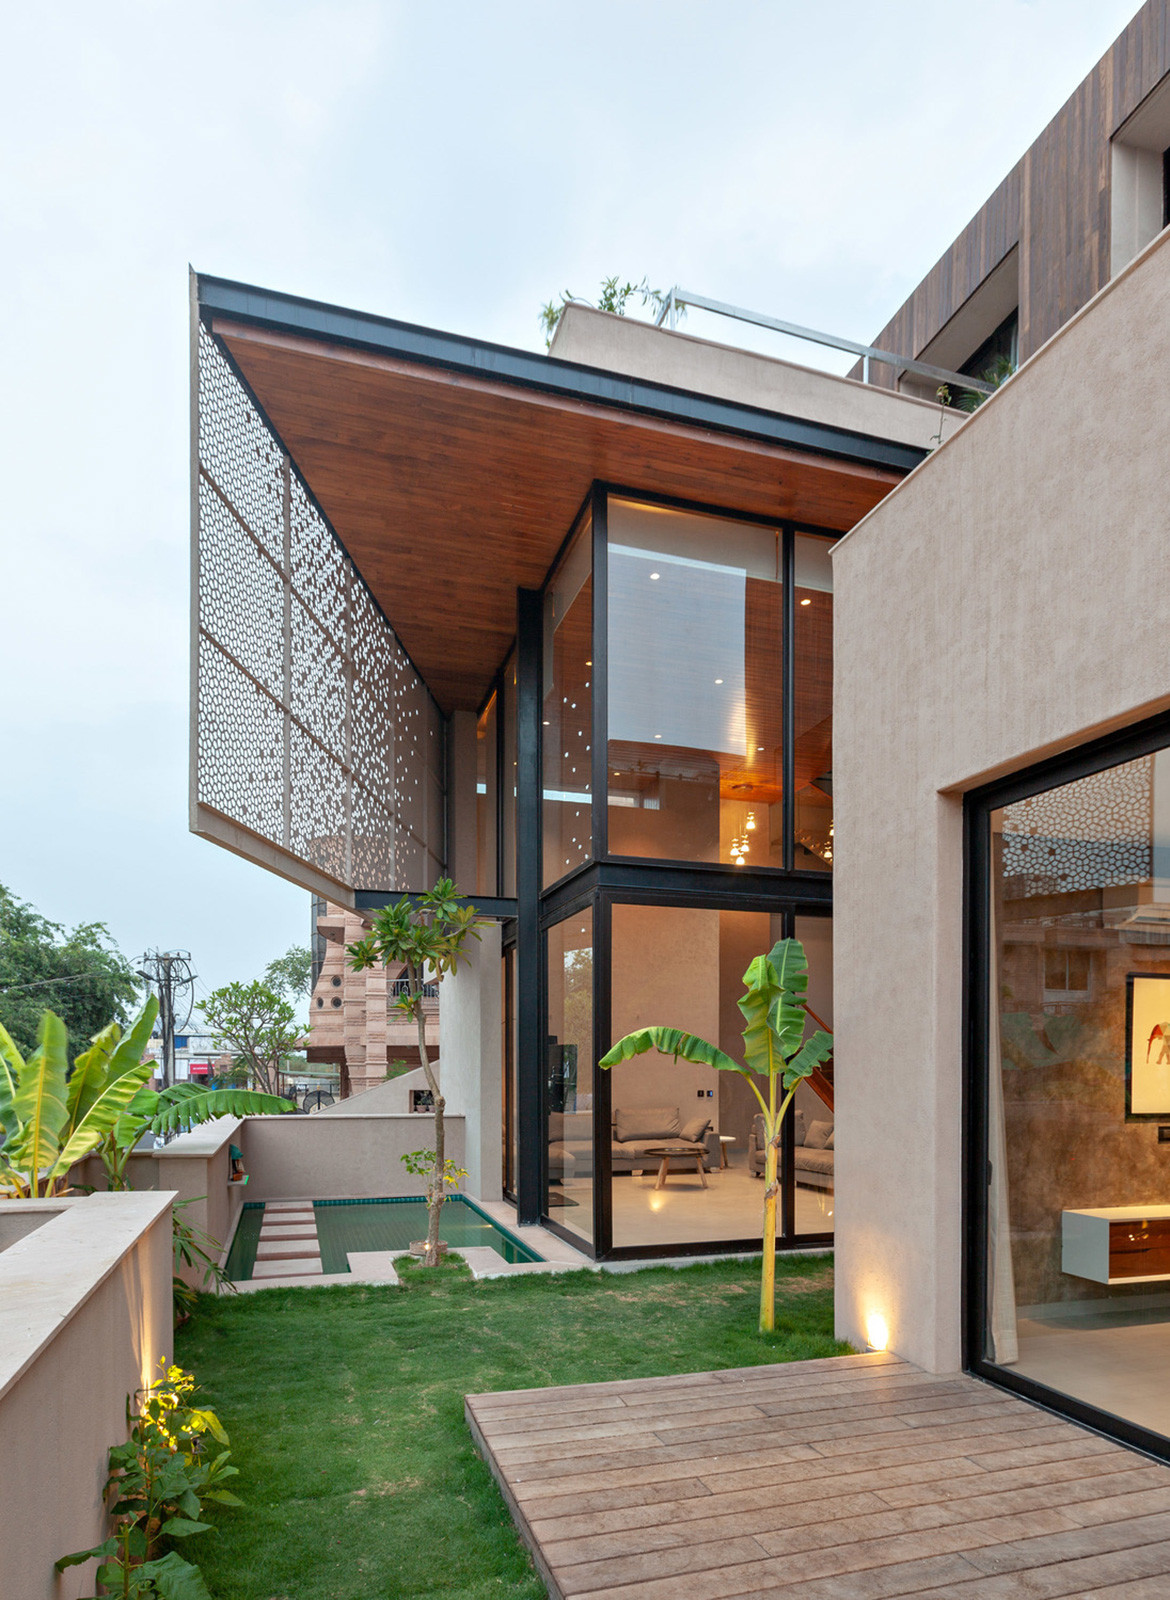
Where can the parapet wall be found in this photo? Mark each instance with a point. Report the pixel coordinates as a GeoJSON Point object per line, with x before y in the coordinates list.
{"type": "Point", "coordinates": [85, 1316]}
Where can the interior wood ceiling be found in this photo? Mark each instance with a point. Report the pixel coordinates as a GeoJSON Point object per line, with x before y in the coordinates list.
{"type": "Point", "coordinates": [450, 492]}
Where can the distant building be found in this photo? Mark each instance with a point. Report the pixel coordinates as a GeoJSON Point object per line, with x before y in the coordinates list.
{"type": "Point", "coordinates": [352, 1022]}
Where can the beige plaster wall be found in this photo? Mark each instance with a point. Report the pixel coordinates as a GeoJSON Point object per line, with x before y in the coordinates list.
{"type": "Point", "coordinates": [195, 1167]}
{"type": "Point", "coordinates": [638, 349]}
{"type": "Point", "coordinates": [665, 971]}
{"type": "Point", "coordinates": [1003, 603]}
{"type": "Point", "coordinates": [85, 1315]}
{"type": "Point", "coordinates": [339, 1157]}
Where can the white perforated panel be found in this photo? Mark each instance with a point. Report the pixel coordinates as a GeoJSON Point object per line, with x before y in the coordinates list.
{"type": "Point", "coordinates": [312, 732]}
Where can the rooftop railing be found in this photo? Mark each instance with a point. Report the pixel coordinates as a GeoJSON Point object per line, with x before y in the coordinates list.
{"type": "Point", "coordinates": [867, 352]}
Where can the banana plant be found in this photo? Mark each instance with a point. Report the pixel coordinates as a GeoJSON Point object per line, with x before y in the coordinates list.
{"type": "Point", "coordinates": [51, 1118]}
{"type": "Point", "coordinates": [775, 1049]}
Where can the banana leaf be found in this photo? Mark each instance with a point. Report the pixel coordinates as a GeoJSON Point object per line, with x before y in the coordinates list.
{"type": "Point", "coordinates": [11, 1066]}
{"type": "Point", "coordinates": [184, 1104]}
{"type": "Point", "coordinates": [671, 1042]}
{"type": "Point", "coordinates": [39, 1104]}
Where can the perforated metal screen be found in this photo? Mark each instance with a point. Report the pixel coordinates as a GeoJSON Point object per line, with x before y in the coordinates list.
{"type": "Point", "coordinates": [316, 748]}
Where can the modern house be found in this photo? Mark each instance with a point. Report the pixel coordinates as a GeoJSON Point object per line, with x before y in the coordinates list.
{"type": "Point", "coordinates": [663, 650]}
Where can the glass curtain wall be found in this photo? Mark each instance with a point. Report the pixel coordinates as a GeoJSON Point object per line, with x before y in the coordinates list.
{"type": "Point", "coordinates": [813, 1119]}
{"type": "Point", "coordinates": [487, 799]}
{"type": "Point", "coordinates": [1076, 1283]}
{"type": "Point", "coordinates": [567, 736]}
{"type": "Point", "coordinates": [694, 662]}
{"type": "Point", "coordinates": [569, 1070]}
{"type": "Point", "coordinates": [509, 776]}
{"type": "Point", "coordinates": [714, 759]}
{"type": "Point", "coordinates": [812, 703]}
{"type": "Point", "coordinates": [683, 967]}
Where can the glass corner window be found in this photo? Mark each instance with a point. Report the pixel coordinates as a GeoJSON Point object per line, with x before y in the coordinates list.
{"type": "Point", "coordinates": [695, 710]}
{"type": "Point", "coordinates": [812, 708]}
{"type": "Point", "coordinates": [567, 709]}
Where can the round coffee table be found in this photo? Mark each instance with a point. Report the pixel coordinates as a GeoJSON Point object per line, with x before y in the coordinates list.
{"type": "Point", "coordinates": [666, 1152]}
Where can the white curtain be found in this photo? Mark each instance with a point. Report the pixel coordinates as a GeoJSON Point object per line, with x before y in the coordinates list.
{"type": "Point", "coordinates": [1005, 1347]}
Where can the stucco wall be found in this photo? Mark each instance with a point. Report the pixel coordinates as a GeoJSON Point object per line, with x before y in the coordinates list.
{"type": "Point", "coordinates": [627, 344]}
{"type": "Point", "coordinates": [195, 1167]}
{"type": "Point", "coordinates": [85, 1315]}
{"type": "Point", "coordinates": [339, 1157]}
{"type": "Point", "coordinates": [1003, 603]}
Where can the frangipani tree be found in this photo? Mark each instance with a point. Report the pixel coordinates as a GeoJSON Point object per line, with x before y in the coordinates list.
{"type": "Point", "coordinates": [775, 1051]}
{"type": "Point", "coordinates": [51, 1118]}
{"type": "Point", "coordinates": [426, 936]}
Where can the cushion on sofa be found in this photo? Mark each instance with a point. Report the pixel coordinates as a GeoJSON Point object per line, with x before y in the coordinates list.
{"type": "Point", "coordinates": [818, 1135]}
{"type": "Point", "coordinates": [814, 1160]}
{"type": "Point", "coordinates": [799, 1125]}
{"type": "Point", "coordinates": [694, 1130]}
{"type": "Point", "coordinates": [646, 1122]}
{"type": "Point", "coordinates": [829, 1141]}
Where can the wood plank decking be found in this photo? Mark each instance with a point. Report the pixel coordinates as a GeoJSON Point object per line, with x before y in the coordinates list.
{"type": "Point", "coordinates": [860, 1478]}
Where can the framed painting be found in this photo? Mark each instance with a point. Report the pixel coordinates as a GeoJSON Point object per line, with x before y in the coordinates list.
{"type": "Point", "coordinates": [1147, 1046]}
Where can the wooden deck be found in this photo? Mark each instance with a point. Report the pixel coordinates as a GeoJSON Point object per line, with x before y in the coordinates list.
{"type": "Point", "coordinates": [860, 1478]}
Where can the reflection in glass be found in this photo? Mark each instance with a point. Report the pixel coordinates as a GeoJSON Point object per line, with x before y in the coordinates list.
{"type": "Point", "coordinates": [508, 819]}
{"type": "Point", "coordinates": [683, 967]}
{"type": "Point", "coordinates": [569, 1073]}
{"type": "Point", "coordinates": [813, 703]}
{"type": "Point", "coordinates": [567, 709]}
{"type": "Point", "coordinates": [1079, 1189]}
{"type": "Point", "coordinates": [486, 800]}
{"type": "Point", "coordinates": [694, 701]}
{"type": "Point", "coordinates": [508, 1119]}
{"type": "Point", "coordinates": [814, 1120]}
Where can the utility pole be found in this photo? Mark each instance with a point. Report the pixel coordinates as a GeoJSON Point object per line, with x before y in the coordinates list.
{"type": "Point", "coordinates": [169, 974]}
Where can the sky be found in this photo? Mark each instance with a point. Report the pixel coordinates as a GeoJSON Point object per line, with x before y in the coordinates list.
{"type": "Point", "coordinates": [452, 163]}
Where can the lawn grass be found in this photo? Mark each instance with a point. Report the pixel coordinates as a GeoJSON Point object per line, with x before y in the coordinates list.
{"type": "Point", "coordinates": [345, 1410]}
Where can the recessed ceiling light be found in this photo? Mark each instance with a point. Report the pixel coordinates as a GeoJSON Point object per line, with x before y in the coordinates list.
{"type": "Point", "coordinates": [655, 574]}
{"type": "Point", "coordinates": [806, 602]}
{"type": "Point", "coordinates": [589, 663]}
{"type": "Point", "coordinates": [759, 747]}
{"type": "Point", "coordinates": [718, 680]}
{"type": "Point", "coordinates": [546, 722]}
{"type": "Point", "coordinates": [658, 736]}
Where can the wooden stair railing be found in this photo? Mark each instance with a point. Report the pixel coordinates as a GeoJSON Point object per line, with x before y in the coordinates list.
{"type": "Point", "coordinates": [820, 1080]}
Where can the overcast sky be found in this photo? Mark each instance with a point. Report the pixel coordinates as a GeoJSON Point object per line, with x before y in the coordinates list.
{"type": "Point", "coordinates": [454, 164]}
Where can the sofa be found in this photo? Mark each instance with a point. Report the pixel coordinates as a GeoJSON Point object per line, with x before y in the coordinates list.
{"type": "Point", "coordinates": [633, 1131]}
{"type": "Point", "coordinates": [813, 1155]}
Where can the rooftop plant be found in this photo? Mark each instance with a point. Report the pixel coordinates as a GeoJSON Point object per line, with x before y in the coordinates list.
{"type": "Point", "coordinates": [775, 1051]}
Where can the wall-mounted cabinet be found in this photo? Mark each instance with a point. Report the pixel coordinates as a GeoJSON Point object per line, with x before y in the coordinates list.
{"type": "Point", "coordinates": [1117, 1244]}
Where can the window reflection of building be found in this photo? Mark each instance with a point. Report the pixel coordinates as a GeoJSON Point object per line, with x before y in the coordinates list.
{"type": "Point", "coordinates": [1081, 898]}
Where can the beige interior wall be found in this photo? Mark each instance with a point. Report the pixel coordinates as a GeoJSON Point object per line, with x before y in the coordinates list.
{"type": "Point", "coordinates": [85, 1315]}
{"type": "Point", "coordinates": [1003, 603]}
{"type": "Point", "coordinates": [665, 967]}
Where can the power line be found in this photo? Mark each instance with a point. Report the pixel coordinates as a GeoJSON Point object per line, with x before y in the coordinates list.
{"type": "Point", "coordinates": [70, 977]}
{"type": "Point", "coordinates": [170, 973]}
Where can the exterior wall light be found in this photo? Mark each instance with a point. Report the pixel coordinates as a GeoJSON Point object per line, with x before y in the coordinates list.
{"type": "Point", "coordinates": [877, 1332]}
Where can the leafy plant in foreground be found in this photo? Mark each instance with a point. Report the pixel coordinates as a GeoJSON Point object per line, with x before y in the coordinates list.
{"type": "Point", "coordinates": [158, 1482]}
{"type": "Point", "coordinates": [774, 1048]}
{"type": "Point", "coordinates": [51, 1118]}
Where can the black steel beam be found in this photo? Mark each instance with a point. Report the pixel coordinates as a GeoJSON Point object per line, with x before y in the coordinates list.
{"type": "Point", "coordinates": [530, 1154]}
{"type": "Point", "coordinates": [527, 369]}
{"type": "Point", "coordinates": [498, 907]}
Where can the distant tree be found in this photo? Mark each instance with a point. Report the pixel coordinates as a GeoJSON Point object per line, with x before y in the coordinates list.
{"type": "Point", "coordinates": [613, 296]}
{"type": "Point", "coordinates": [81, 975]}
{"type": "Point", "coordinates": [291, 973]}
{"type": "Point", "coordinates": [258, 1026]}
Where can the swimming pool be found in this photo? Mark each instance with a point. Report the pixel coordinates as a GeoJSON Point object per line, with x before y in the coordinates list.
{"type": "Point", "coordinates": [383, 1224]}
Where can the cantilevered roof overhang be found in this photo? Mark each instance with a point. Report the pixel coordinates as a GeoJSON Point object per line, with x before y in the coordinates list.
{"type": "Point", "coordinates": [452, 469]}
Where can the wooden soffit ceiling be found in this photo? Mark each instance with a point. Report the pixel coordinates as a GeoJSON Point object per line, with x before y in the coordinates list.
{"type": "Point", "coordinates": [451, 491]}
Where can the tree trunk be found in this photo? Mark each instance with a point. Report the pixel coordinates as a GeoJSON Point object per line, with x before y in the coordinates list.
{"type": "Point", "coordinates": [768, 1275]}
{"type": "Point", "coordinates": [436, 1190]}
